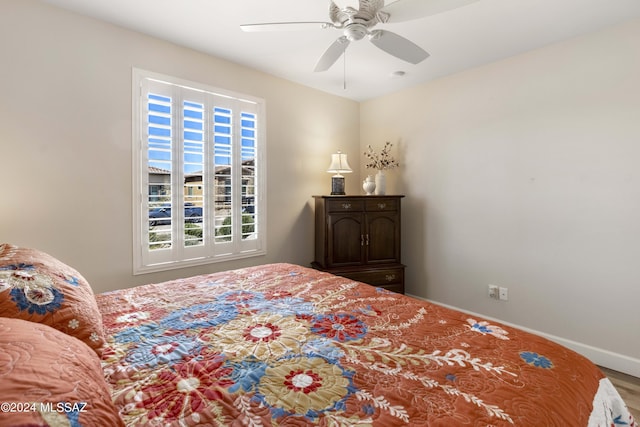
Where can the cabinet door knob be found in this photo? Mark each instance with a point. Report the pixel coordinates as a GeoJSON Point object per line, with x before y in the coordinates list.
{"type": "Point", "coordinates": [346, 205]}
{"type": "Point", "coordinates": [362, 240]}
{"type": "Point", "coordinates": [366, 239]}
{"type": "Point", "coordinates": [382, 205]}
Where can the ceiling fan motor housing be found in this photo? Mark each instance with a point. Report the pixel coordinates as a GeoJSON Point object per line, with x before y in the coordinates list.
{"type": "Point", "coordinates": [355, 31]}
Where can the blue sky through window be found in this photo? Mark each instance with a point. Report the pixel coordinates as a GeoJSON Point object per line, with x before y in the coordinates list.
{"type": "Point", "coordinates": [159, 129]}
{"type": "Point", "coordinates": [161, 138]}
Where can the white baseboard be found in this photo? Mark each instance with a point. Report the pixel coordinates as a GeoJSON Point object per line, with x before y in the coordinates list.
{"type": "Point", "coordinates": [601, 357]}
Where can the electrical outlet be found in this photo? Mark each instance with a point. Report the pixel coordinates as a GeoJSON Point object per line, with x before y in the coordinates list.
{"type": "Point", "coordinates": [493, 291]}
{"type": "Point", "coordinates": [504, 294]}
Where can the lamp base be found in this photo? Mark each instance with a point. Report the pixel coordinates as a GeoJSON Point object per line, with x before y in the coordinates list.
{"type": "Point", "coordinates": [337, 186]}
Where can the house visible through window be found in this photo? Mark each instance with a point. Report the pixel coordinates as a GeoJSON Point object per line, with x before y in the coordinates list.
{"type": "Point", "coordinates": [198, 173]}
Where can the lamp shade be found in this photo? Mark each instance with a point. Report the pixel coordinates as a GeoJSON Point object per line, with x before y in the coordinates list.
{"type": "Point", "coordinates": [339, 164]}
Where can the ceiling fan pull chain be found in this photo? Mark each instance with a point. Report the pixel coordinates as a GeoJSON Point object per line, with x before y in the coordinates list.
{"type": "Point", "coordinates": [344, 69]}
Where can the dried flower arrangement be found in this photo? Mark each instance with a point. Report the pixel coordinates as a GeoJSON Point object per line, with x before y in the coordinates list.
{"type": "Point", "coordinates": [382, 160]}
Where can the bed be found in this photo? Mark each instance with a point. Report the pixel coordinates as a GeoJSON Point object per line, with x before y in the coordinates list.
{"type": "Point", "coordinates": [273, 345]}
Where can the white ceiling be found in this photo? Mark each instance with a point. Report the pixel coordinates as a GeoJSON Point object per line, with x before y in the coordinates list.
{"type": "Point", "coordinates": [479, 33]}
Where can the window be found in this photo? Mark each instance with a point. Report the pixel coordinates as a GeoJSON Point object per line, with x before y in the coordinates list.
{"type": "Point", "coordinates": [198, 174]}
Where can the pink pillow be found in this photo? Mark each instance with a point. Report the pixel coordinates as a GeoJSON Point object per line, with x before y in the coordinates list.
{"type": "Point", "coordinates": [37, 287]}
{"type": "Point", "coordinates": [49, 378]}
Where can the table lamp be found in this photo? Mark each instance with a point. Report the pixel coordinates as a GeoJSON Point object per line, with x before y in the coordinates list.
{"type": "Point", "coordinates": [339, 165]}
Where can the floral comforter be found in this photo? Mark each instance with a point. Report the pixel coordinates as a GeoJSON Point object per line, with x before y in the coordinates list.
{"type": "Point", "coordinates": [284, 345]}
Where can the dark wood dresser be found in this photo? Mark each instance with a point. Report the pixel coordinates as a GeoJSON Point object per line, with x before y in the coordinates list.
{"type": "Point", "coordinates": [359, 237]}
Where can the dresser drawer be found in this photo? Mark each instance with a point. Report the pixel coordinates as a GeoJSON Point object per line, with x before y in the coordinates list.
{"type": "Point", "coordinates": [389, 278]}
{"type": "Point", "coordinates": [381, 204]}
{"type": "Point", "coordinates": [346, 205]}
{"type": "Point", "coordinates": [377, 277]}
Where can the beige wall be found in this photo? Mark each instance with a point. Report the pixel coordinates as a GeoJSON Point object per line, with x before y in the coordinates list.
{"type": "Point", "coordinates": [65, 141]}
{"type": "Point", "coordinates": [522, 173]}
{"type": "Point", "coordinates": [525, 173]}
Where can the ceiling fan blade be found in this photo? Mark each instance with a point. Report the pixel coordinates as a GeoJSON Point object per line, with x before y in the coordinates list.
{"type": "Point", "coordinates": [331, 55]}
{"type": "Point", "coordinates": [406, 10]}
{"type": "Point", "coordinates": [398, 46]}
{"type": "Point", "coordinates": [285, 26]}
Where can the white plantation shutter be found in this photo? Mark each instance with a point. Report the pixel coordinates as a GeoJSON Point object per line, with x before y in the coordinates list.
{"type": "Point", "coordinates": [198, 174]}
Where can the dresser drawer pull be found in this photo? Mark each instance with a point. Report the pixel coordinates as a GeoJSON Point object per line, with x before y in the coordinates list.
{"type": "Point", "coordinates": [346, 205]}
{"type": "Point", "coordinates": [390, 277]}
{"type": "Point", "coordinates": [382, 205]}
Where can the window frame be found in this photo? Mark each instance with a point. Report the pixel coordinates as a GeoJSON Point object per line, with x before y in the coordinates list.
{"type": "Point", "coordinates": [212, 250]}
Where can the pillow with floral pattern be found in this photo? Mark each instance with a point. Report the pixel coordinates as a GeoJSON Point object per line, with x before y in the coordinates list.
{"type": "Point", "coordinates": [51, 379]}
{"type": "Point", "coordinates": [37, 287]}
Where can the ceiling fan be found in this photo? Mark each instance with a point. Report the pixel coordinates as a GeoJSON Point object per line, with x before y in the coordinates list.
{"type": "Point", "coordinates": [356, 19]}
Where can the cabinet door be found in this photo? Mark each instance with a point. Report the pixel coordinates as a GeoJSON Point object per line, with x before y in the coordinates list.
{"type": "Point", "coordinates": [345, 239]}
{"type": "Point", "coordinates": [383, 237]}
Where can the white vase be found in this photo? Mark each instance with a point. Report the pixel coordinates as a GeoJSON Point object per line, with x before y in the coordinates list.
{"type": "Point", "coordinates": [381, 183]}
{"type": "Point", "coordinates": [369, 185]}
